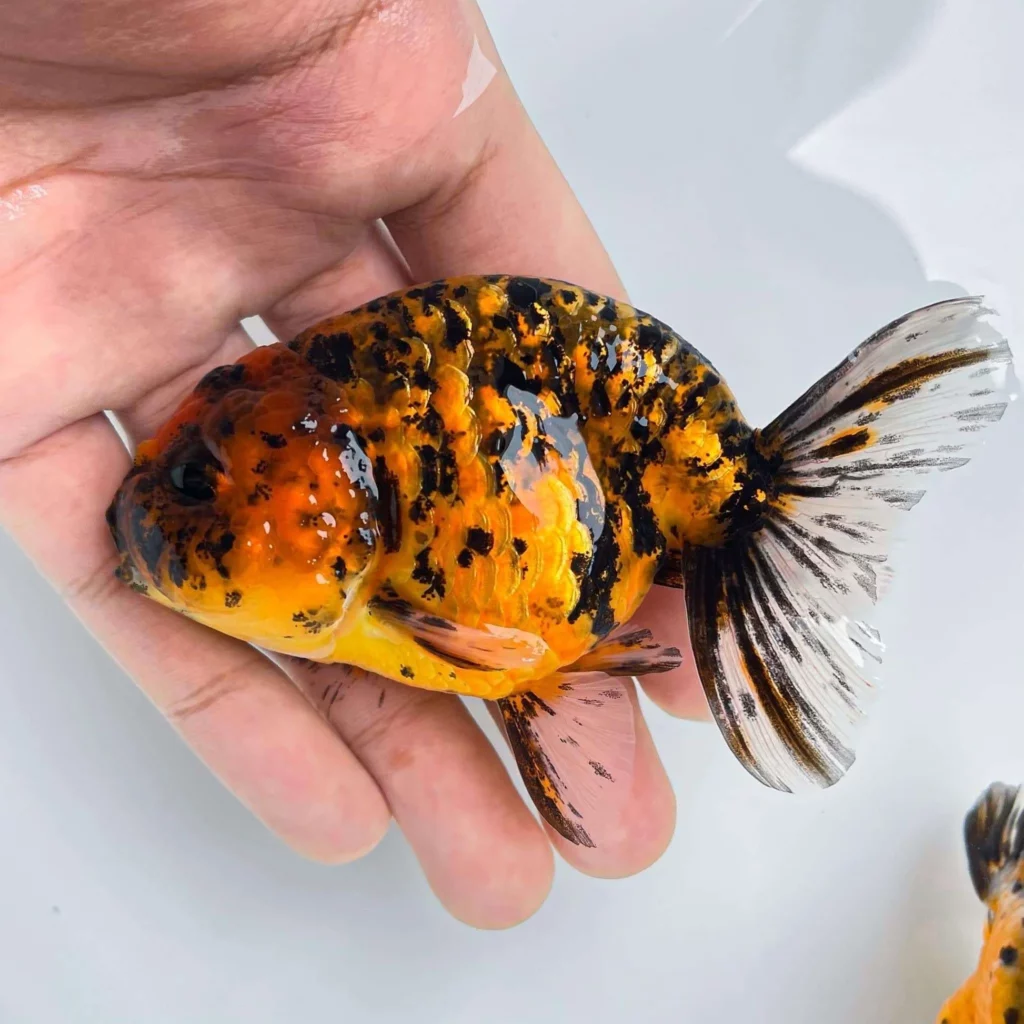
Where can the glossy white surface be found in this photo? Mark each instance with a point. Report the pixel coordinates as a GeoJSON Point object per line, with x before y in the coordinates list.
{"type": "Point", "coordinates": [777, 179]}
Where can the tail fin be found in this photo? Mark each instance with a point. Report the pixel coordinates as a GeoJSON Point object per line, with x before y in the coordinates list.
{"type": "Point", "coordinates": [994, 834]}
{"type": "Point", "coordinates": [778, 615]}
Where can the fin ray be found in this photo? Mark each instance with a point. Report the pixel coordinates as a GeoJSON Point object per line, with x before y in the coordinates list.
{"type": "Point", "coordinates": [575, 752]}
{"type": "Point", "coordinates": [632, 653]}
{"type": "Point", "coordinates": [779, 617]}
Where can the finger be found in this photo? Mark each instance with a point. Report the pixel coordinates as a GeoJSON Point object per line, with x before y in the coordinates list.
{"type": "Point", "coordinates": [127, 285]}
{"type": "Point", "coordinates": [372, 268]}
{"type": "Point", "coordinates": [143, 418]}
{"type": "Point", "coordinates": [480, 848]}
{"type": "Point", "coordinates": [678, 692]}
{"type": "Point", "coordinates": [235, 709]}
{"type": "Point", "coordinates": [500, 204]}
{"type": "Point", "coordinates": [509, 210]}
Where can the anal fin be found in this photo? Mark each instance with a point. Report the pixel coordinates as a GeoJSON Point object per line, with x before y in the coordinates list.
{"type": "Point", "coordinates": [634, 653]}
{"type": "Point", "coordinates": [575, 751]}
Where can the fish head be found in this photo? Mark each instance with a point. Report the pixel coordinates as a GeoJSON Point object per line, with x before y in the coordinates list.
{"type": "Point", "coordinates": [254, 509]}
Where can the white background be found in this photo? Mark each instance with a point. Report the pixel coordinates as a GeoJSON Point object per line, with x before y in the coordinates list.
{"type": "Point", "coordinates": [777, 180]}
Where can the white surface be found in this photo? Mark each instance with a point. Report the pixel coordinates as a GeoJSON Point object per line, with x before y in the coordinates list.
{"type": "Point", "coordinates": [133, 889]}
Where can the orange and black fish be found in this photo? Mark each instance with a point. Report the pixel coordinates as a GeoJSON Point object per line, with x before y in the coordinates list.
{"type": "Point", "coordinates": [471, 485]}
{"type": "Point", "coordinates": [994, 835]}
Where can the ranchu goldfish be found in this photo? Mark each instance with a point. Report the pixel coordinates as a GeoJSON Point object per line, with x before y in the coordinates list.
{"type": "Point", "coordinates": [470, 486]}
{"type": "Point", "coordinates": [994, 835]}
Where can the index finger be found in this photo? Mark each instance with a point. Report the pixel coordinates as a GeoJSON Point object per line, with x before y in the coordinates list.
{"type": "Point", "coordinates": [501, 205]}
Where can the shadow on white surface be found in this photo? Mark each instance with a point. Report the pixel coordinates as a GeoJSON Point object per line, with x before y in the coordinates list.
{"type": "Point", "coordinates": [134, 889]}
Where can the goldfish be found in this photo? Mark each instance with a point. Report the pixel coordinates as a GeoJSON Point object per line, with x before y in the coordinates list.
{"type": "Point", "coordinates": [471, 485]}
{"type": "Point", "coordinates": [994, 837]}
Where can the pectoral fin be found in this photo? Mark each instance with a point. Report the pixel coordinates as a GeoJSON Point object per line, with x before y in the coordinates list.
{"type": "Point", "coordinates": [490, 649]}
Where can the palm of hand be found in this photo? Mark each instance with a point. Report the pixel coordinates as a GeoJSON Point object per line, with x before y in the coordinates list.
{"type": "Point", "coordinates": [168, 170]}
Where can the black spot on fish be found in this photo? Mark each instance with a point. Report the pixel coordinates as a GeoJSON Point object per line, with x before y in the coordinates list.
{"type": "Point", "coordinates": [580, 563]}
{"type": "Point", "coordinates": [600, 405]}
{"type": "Point", "coordinates": [261, 492]}
{"type": "Point", "coordinates": [389, 514]}
{"type": "Point", "coordinates": [609, 312]}
{"type": "Point", "coordinates": [419, 511]}
{"type": "Point", "coordinates": [650, 338]}
{"type": "Point", "coordinates": [525, 291]}
{"type": "Point", "coordinates": [428, 468]}
{"type": "Point", "coordinates": [260, 468]}
{"type": "Point", "coordinates": [479, 540]}
{"type": "Point", "coordinates": [421, 379]}
{"type": "Point", "coordinates": [149, 540]}
{"type": "Point", "coordinates": [519, 544]}
{"type": "Point", "coordinates": [627, 480]}
{"type": "Point", "coordinates": [330, 355]}
{"type": "Point", "coordinates": [1008, 955]}
{"type": "Point", "coordinates": [509, 374]}
{"type": "Point", "coordinates": [597, 586]}
{"type": "Point", "coordinates": [1011, 1015]}
{"type": "Point", "coordinates": [232, 599]}
{"type": "Point", "coordinates": [222, 378]}
{"type": "Point", "coordinates": [431, 422]}
{"type": "Point", "coordinates": [432, 577]}
{"type": "Point", "coordinates": [226, 428]}
{"type": "Point", "coordinates": [434, 293]}
{"type": "Point", "coordinates": [176, 569]}
{"type": "Point", "coordinates": [374, 306]}
{"type": "Point", "coordinates": [568, 297]}
{"type": "Point", "coordinates": [407, 672]}
{"type": "Point", "coordinates": [340, 569]}
{"type": "Point", "coordinates": [217, 549]}
{"type": "Point", "coordinates": [465, 558]}
{"type": "Point", "coordinates": [273, 440]}
{"type": "Point", "coordinates": [457, 326]}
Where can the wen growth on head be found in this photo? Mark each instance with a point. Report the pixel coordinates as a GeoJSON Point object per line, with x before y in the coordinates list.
{"type": "Point", "coordinates": [471, 486]}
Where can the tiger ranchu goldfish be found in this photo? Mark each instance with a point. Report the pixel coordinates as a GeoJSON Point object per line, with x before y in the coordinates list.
{"type": "Point", "coordinates": [470, 486]}
{"type": "Point", "coordinates": [994, 836]}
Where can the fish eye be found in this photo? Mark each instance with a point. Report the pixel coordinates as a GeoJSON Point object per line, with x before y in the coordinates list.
{"type": "Point", "coordinates": [194, 475]}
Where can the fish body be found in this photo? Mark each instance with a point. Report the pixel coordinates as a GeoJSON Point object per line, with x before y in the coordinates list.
{"type": "Point", "coordinates": [994, 835]}
{"type": "Point", "coordinates": [470, 486]}
{"type": "Point", "coordinates": [537, 452]}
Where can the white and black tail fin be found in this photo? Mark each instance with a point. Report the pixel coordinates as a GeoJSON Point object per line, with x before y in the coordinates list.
{"type": "Point", "coordinates": [994, 835]}
{"type": "Point", "coordinates": [780, 615]}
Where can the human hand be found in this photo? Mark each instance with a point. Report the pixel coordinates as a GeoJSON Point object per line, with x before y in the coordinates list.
{"type": "Point", "coordinates": [169, 168]}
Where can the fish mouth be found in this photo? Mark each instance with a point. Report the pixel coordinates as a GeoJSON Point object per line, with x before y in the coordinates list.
{"type": "Point", "coordinates": [127, 570]}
